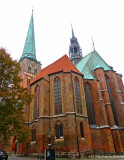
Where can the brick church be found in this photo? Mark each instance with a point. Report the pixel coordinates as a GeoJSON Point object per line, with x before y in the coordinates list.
{"type": "Point", "coordinates": [78, 103]}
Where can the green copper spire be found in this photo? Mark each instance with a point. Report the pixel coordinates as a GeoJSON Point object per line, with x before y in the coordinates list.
{"type": "Point", "coordinates": [29, 47]}
{"type": "Point", "coordinates": [72, 32]}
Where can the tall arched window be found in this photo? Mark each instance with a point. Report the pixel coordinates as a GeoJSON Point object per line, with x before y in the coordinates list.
{"type": "Point", "coordinates": [36, 103]}
{"type": "Point", "coordinates": [90, 105]}
{"type": "Point", "coordinates": [81, 130]}
{"type": "Point", "coordinates": [59, 130]}
{"type": "Point", "coordinates": [112, 101]}
{"type": "Point", "coordinates": [57, 93]}
{"type": "Point", "coordinates": [34, 134]}
{"type": "Point", "coordinates": [77, 95]}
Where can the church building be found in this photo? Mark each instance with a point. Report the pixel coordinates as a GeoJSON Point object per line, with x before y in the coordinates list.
{"type": "Point", "coordinates": [78, 104]}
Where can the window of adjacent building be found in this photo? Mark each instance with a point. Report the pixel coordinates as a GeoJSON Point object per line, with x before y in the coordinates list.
{"type": "Point", "coordinates": [81, 130]}
{"type": "Point", "coordinates": [36, 102]}
{"type": "Point", "coordinates": [90, 105]}
{"type": "Point", "coordinates": [77, 95]}
{"type": "Point", "coordinates": [57, 94]}
{"type": "Point", "coordinates": [34, 134]}
{"type": "Point", "coordinates": [59, 130]}
{"type": "Point", "coordinates": [112, 102]}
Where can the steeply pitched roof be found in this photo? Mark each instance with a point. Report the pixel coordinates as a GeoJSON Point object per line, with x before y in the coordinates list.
{"type": "Point", "coordinates": [91, 62]}
{"type": "Point", "coordinates": [63, 64]}
{"type": "Point", "coordinates": [29, 47]}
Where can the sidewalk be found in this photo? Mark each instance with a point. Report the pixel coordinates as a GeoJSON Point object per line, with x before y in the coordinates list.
{"type": "Point", "coordinates": [113, 157]}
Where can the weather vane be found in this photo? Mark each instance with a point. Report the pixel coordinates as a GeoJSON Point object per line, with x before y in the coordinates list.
{"type": "Point", "coordinates": [93, 44]}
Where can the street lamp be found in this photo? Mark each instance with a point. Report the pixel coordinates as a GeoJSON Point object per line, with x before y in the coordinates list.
{"type": "Point", "coordinates": [49, 136]}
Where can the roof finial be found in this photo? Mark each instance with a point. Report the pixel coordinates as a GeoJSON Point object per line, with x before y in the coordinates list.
{"type": "Point", "coordinates": [32, 10]}
{"type": "Point", "coordinates": [72, 31]}
{"type": "Point", "coordinates": [93, 44]}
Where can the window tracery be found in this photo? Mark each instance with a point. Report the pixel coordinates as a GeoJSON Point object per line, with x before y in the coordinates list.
{"type": "Point", "coordinates": [77, 96]}
{"type": "Point", "coordinates": [57, 95]}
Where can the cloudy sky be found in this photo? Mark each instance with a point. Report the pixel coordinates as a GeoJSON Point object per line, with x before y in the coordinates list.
{"type": "Point", "coordinates": [101, 19]}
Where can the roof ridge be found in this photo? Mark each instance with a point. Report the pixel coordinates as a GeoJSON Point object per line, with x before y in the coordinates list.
{"type": "Point", "coordinates": [104, 60]}
{"type": "Point", "coordinates": [91, 62]}
{"type": "Point", "coordinates": [62, 64]}
{"type": "Point", "coordinates": [88, 58]}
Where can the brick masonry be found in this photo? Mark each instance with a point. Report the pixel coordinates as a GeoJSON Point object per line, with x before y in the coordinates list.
{"type": "Point", "coordinates": [105, 137]}
{"type": "Point", "coordinates": [102, 139]}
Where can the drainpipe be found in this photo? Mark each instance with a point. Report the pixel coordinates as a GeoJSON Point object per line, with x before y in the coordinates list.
{"type": "Point", "coordinates": [75, 115]}
{"type": "Point", "coordinates": [28, 119]}
{"type": "Point", "coordinates": [49, 132]}
{"type": "Point", "coordinates": [28, 126]}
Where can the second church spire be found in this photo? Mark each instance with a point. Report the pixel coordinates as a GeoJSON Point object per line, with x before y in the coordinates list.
{"type": "Point", "coordinates": [75, 52]}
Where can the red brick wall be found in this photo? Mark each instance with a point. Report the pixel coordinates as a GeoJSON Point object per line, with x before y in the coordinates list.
{"type": "Point", "coordinates": [117, 141]}
{"type": "Point", "coordinates": [103, 138]}
{"type": "Point", "coordinates": [99, 139]}
{"type": "Point", "coordinates": [71, 122]}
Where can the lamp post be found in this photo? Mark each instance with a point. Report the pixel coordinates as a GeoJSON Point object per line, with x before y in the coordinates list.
{"type": "Point", "coordinates": [49, 136]}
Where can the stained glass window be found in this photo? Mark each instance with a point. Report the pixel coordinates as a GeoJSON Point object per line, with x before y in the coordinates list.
{"type": "Point", "coordinates": [90, 105]}
{"type": "Point", "coordinates": [77, 95]}
{"type": "Point", "coordinates": [34, 134]}
{"type": "Point", "coordinates": [59, 131]}
{"type": "Point", "coordinates": [36, 103]}
{"type": "Point", "coordinates": [112, 102]}
{"type": "Point", "coordinates": [57, 94]}
{"type": "Point", "coordinates": [81, 130]}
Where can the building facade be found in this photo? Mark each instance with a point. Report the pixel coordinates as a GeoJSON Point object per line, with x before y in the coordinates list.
{"type": "Point", "coordinates": [104, 94]}
{"type": "Point", "coordinates": [78, 100]}
{"type": "Point", "coordinates": [58, 107]}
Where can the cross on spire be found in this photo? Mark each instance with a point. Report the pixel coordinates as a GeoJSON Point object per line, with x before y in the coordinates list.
{"type": "Point", "coordinates": [93, 44]}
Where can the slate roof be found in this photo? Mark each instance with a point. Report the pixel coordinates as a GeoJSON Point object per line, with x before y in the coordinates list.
{"type": "Point", "coordinates": [90, 62]}
{"type": "Point", "coordinates": [63, 64]}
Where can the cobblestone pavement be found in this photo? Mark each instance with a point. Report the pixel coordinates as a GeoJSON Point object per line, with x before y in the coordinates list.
{"type": "Point", "coordinates": [121, 157]}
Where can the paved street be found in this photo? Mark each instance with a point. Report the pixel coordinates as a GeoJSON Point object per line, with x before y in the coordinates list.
{"type": "Point", "coordinates": [121, 157]}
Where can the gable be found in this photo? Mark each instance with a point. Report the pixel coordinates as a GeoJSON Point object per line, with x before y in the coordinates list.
{"type": "Point", "coordinates": [90, 62]}
{"type": "Point", "coordinates": [63, 64]}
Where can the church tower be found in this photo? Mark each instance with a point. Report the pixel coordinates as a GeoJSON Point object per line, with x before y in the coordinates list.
{"type": "Point", "coordinates": [30, 66]}
{"type": "Point", "coordinates": [75, 52]}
